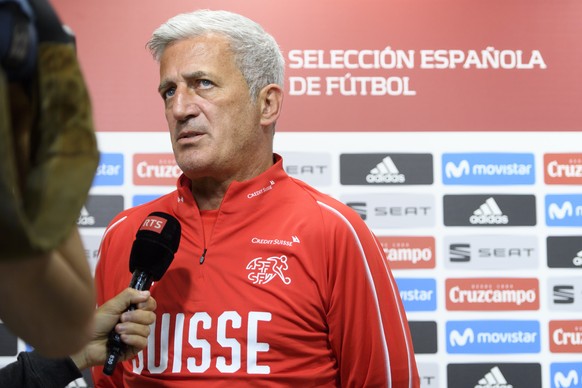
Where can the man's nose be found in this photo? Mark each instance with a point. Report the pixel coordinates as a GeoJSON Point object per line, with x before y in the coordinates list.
{"type": "Point", "coordinates": [184, 105]}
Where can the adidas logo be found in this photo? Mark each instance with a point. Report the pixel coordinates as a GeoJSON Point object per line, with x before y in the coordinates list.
{"type": "Point", "coordinates": [493, 379]}
{"type": "Point", "coordinates": [385, 172]}
{"type": "Point", "coordinates": [577, 260]}
{"type": "Point", "coordinates": [488, 213]}
{"type": "Point", "coordinates": [85, 219]}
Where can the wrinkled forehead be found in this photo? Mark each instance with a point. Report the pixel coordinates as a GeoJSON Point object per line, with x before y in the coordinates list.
{"type": "Point", "coordinates": [207, 49]}
{"type": "Point", "coordinates": [211, 42]}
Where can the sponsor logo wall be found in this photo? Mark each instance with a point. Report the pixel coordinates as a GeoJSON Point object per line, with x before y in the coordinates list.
{"type": "Point", "coordinates": [493, 303]}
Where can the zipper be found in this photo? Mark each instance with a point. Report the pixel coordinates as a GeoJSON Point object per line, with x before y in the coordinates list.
{"type": "Point", "coordinates": [204, 232]}
{"type": "Point", "coordinates": [203, 256]}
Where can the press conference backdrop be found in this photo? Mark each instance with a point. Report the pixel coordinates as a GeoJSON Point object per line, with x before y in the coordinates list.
{"type": "Point", "coordinates": [452, 128]}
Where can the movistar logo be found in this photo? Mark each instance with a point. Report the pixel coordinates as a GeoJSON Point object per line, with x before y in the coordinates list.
{"type": "Point", "coordinates": [564, 210]}
{"type": "Point", "coordinates": [562, 381]}
{"type": "Point", "coordinates": [566, 374]}
{"type": "Point", "coordinates": [456, 171]}
{"type": "Point", "coordinates": [488, 169]}
{"type": "Point", "coordinates": [110, 170]}
{"type": "Point", "coordinates": [560, 212]}
{"type": "Point", "coordinates": [417, 294]}
{"type": "Point", "coordinates": [458, 339]}
{"type": "Point", "coordinates": [493, 337]}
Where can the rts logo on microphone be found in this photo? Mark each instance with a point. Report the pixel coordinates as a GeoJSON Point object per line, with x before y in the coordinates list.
{"type": "Point", "coordinates": [154, 224]}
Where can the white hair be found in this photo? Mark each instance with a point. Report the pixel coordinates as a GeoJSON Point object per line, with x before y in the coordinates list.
{"type": "Point", "coordinates": [256, 53]}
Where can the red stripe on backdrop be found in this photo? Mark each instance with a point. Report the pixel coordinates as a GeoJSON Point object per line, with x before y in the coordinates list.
{"type": "Point", "coordinates": [123, 78]}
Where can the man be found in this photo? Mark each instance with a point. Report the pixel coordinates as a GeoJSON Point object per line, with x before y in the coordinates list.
{"type": "Point", "coordinates": [274, 283]}
{"type": "Point", "coordinates": [33, 370]}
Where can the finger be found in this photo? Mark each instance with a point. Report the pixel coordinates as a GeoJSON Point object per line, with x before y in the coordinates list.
{"type": "Point", "coordinates": [123, 300]}
{"type": "Point", "coordinates": [133, 328]}
{"type": "Point", "coordinates": [142, 317]}
{"type": "Point", "coordinates": [137, 297]}
{"type": "Point", "coordinates": [150, 304]}
{"type": "Point", "coordinates": [135, 341]}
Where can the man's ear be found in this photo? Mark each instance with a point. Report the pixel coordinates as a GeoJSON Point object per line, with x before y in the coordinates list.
{"type": "Point", "coordinates": [271, 102]}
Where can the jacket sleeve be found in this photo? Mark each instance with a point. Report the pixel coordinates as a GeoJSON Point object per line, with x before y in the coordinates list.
{"type": "Point", "coordinates": [368, 328]}
{"type": "Point", "coordinates": [32, 370]}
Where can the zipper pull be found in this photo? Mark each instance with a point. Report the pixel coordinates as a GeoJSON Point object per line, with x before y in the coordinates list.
{"type": "Point", "coordinates": [203, 256]}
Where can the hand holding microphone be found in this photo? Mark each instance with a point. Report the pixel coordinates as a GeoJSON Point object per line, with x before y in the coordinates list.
{"type": "Point", "coordinates": [152, 253]}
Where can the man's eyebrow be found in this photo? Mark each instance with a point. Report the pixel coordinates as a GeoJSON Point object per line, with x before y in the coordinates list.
{"type": "Point", "coordinates": [197, 74]}
{"type": "Point", "coordinates": [164, 85]}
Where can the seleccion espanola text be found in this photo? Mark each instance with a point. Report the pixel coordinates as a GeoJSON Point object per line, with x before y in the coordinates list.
{"type": "Point", "coordinates": [350, 84]}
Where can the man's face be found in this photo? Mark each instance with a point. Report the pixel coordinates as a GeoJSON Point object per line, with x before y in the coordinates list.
{"type": "Point", "coordinates": [214, 125]}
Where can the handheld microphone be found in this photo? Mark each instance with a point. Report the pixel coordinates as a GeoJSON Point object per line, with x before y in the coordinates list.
{"type": "Point", "coordinates": [152, 253]}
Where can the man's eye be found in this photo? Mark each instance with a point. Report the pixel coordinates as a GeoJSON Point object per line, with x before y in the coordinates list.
{"type": "Point", "coordinates": [168, 93]}
{"type": "Point", "coordinates": [205, 84]}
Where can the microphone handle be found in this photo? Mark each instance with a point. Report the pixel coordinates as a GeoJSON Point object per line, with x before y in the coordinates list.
{"type": "Point", "coordinates": [140, 281]}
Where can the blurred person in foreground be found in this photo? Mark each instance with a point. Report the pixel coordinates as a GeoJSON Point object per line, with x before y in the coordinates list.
{"type": "Point", "coordinates": [48, 157]}
{"type": "Point", "coordinates": [32, 370]}
{"type": "Point", "coordinates": [274, 284]}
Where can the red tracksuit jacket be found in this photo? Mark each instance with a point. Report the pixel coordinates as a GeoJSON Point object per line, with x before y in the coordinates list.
{"type": "Point", "coordinates": [294, 291]}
